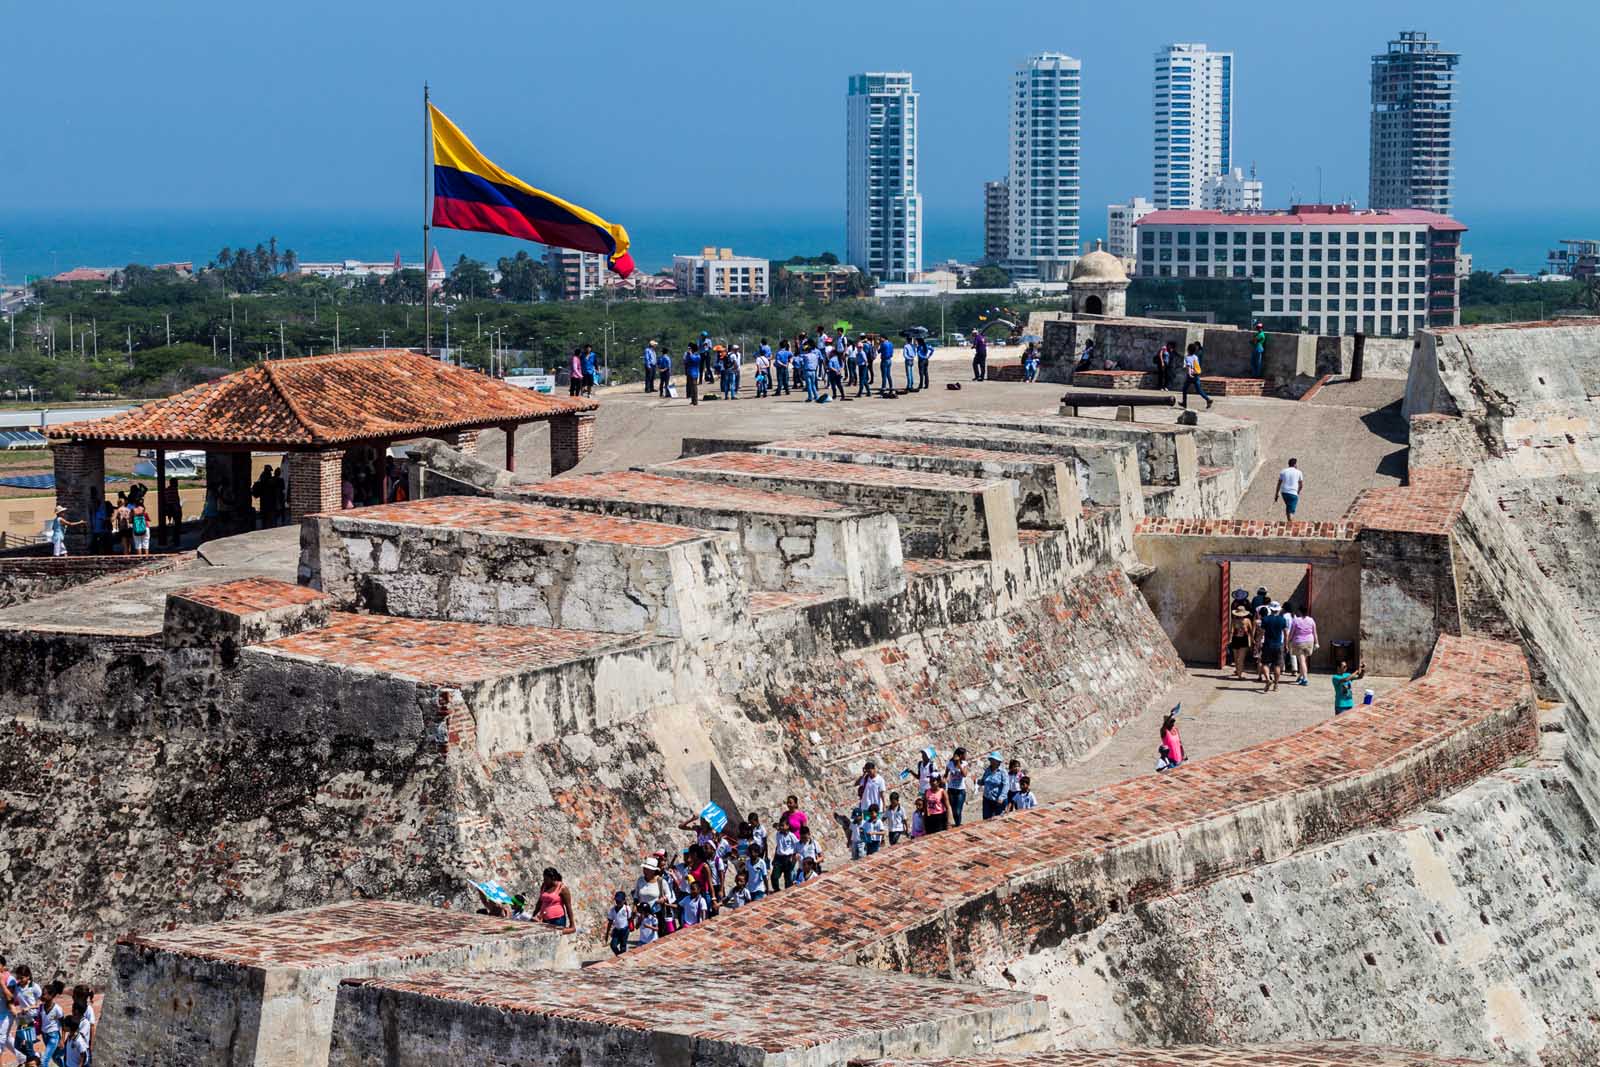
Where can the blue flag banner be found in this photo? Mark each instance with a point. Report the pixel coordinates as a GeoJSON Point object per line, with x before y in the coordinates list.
{"type": "Point", "coordinates": [714, 815]}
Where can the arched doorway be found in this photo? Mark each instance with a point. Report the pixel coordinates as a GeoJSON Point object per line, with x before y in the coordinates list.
{"type": "Point", "coordinates": [1093, 306]}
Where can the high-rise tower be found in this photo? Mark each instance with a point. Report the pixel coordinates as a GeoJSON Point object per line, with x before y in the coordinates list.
{"type": "Point", "coordinates": [1043, 184]}
{"type": "Point", "coordinates": [1413, 96]}
{"type": "Point", "coordinates": [1194, 122]}
{"type": "Point", "coordinates": [883, 210]}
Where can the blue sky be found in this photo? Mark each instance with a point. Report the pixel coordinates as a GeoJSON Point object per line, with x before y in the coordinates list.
{"type": "Point", "coordinates": [708, 108]}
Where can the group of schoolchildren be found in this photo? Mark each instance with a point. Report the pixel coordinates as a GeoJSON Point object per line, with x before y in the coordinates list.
{"type": "Point", "coordinates": [741, 863]}
{"type": "Point", "coordinates": [36, 1027]}
{"type": "Point", "coordinates": [818, 363]}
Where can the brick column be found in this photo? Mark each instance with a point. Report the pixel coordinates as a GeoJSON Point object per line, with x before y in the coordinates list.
{"type": "Point", "coordinates": [314, 479]}
{"type": "Point", "coordinates": [571, 438]}
{"type": "Point", "coordinates": [465, 441]}
{"type": "Point", "coordinates": [80, 479]}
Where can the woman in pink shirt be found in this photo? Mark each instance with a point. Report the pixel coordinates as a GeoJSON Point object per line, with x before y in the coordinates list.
{"type": "Point", "coordinates": [1302, 643]}
{"type": "Point", "coordinates": [1171, 751]}
{"type": "Point", "coordinates": [936, 815]}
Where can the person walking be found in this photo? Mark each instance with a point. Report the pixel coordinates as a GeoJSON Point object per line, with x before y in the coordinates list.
{"type": "Point", "coordinates": [664, 371]}
{"type": "Point", "coordinates": [619, 917]}
{"type": "Point", "coordinates": [56, 531]}
{"type": "Point", "coordinates": [835, 376]}
{"type": "Point", "coordinates": [1191, 375]}
{"type": "Point", "coordinates": [1258, 350]}
{"type": "Point", "coordinates": [1302, 644]}
{"type": "Point", "coordinates": [1165, 359]}
{"type": "Point", "coordinates": [575, 382]}
{"type": "Point", "coordinates": [1030, 363]}
{"type": "Point", "coordinates": [935, 806]}
{"type": "Point", "coordinates": [650, 367]}
{"type": "Point", "coordinates": [1274, 629]}
{"type": "Point", "coordinates": [1240, 631]}
{"type": "Point", "coordinates": [955, 776]}
{"type": "Point", "coordinates": [763, 372]}
{"type": "Point", "coordinates": [996, 786]}
{"type": "Point", "coordinates": [810, 362]}
{"type": "Point", "coordinates": [691, 374]}
{"type": "Point", "coordinates": [1290, 481]}
{"type": "Point", "coordinates": [555, 900]}
{"type": "Point", "coordinates": [980, 356]}
{"type": "Point", "coordinates": [735, 369]}
{"type": "Point", "coordinates": [591, 370]}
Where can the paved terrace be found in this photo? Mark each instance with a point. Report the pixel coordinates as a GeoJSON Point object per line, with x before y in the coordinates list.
{"type": "Point", "coordinates": [439, 653]}
{"type": "Point", "coordinates": [771, 1012]}
{"type": "Point", "coordinates": [972, 898]}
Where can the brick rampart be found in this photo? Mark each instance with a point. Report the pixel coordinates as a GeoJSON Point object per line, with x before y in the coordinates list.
{"type": "Point", "coordinates": [314, 482]}
{"type": "Point", "coordinates": [80, 471]}
{"type": "Point", "coordinates": [571, 438]}
{"type": "Point", "coordinates": [974, 897]}
{"type": "Point", "coordinates": [786, 541]}
{"type": "Point", "coordinates": [1047, 488]}
{"type": "Point", "coordinates": [527, 565]}
{"type": "Point", "coordinates": [940, 515]}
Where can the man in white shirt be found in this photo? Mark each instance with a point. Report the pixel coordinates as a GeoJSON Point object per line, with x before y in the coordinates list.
{"type": "Point", "coordinates": [1290, 479]}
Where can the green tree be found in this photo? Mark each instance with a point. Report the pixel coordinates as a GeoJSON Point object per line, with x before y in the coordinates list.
{"type": "Point", "coordinates": [989, 277]}
{"type": "Point", "coordinates": [524, 278]}
{"type": "Point", "coordinates": [468, 280]}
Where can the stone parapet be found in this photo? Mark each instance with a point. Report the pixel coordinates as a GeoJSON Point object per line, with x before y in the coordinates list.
{"type": "Point", "coordinates": [772, 1014]}
{"type": "Point", "coordinates": [229, 616]}
{"type": "Point", "coordinates": [1168, 454]}
{"type": "Point", "coordinates": [1047, 488]}
{"type": "Point", "coordinates": [940, 515]}
{"type": "Point", "coordinates": [473, 559]}
{"type": "Point", "coordinates": [786, 541]}
{"type": "Point", "coordinates": [262, 992]}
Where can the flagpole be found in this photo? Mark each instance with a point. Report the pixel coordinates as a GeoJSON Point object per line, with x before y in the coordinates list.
{"type": "Point", "coordinates": [427, 204]}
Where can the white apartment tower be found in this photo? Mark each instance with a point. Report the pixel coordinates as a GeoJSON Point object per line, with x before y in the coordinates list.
{"type": "Point", "coordinates": [883, 210]}
{"type": "Point", "coordinates": [1120, 220]}
{"type": "Point", "coordinates": [1413, 94]}
{"type": "Point", "coordinates": [1043, 185]}
{"type": "Point", "coordinates": [1194, 122]}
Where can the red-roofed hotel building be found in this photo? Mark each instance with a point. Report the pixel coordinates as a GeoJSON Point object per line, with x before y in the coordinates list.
{"type": "Point", "coordinates": [1326, 268]}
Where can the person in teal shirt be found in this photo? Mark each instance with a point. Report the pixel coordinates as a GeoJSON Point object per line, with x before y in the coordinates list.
{"type": "Point", "coordinates": [1344, 690]}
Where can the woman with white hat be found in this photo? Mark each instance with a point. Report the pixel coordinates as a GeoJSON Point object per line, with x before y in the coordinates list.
{"type": "Point", "coordinates": [653, 893]}
{"type": "Point", "coordinates": [56, 530]}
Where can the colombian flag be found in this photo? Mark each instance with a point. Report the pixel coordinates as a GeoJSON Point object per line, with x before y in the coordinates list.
{"type": "Point", "coordinates": [471, 193]}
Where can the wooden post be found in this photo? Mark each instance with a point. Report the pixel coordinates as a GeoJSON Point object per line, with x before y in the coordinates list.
{"type": "Point", "coordinates": [161, 495]}
{"type": "Point", "coordinates": [511, 446]}
{"type": "Point", "coordinates": [1358, 357]}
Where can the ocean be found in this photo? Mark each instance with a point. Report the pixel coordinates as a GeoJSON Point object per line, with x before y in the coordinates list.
{"type": "Point", "coordinates": [36, 244]}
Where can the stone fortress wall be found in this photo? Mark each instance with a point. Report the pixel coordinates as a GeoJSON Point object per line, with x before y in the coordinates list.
{"type": "Point", "coordinates": [456, 690]}
{"type": "Point", "coordinates": [434, 747]}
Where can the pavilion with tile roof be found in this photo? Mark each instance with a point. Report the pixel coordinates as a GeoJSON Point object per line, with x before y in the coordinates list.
{"type": "Point", "coordinates": [315, 409]}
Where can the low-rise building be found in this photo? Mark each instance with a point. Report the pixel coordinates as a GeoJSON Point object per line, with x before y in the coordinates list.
{"type": "Point", "coordinates": [1326, 268]}
{"type": "Point", "coordinates": [826, 282]}
{"type": "Point", "coordinates": [581, 274]}
{"type": "Point", "coordinates": [718, 272]}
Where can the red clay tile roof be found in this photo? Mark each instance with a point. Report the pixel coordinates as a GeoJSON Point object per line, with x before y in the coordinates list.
{"type": "Point", "coordinates": [321, 401]}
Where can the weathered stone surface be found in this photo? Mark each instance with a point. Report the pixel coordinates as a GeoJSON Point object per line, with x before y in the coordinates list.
{"type": "Point", "coordinates": [774, 1014]}
{"type": "Point", "coordinates": [262, 992]}
{"type": "Point", "coordinates": [785, 541]}
{"type": "Point", "coordinates": [481, 560]}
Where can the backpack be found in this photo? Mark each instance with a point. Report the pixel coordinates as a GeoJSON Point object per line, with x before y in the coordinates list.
{"type": "Point", "coordinates": [140, 524]}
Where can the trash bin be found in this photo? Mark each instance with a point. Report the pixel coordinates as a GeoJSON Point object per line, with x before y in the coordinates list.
{"type": "Point", "coordinates": [1345, 650]}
